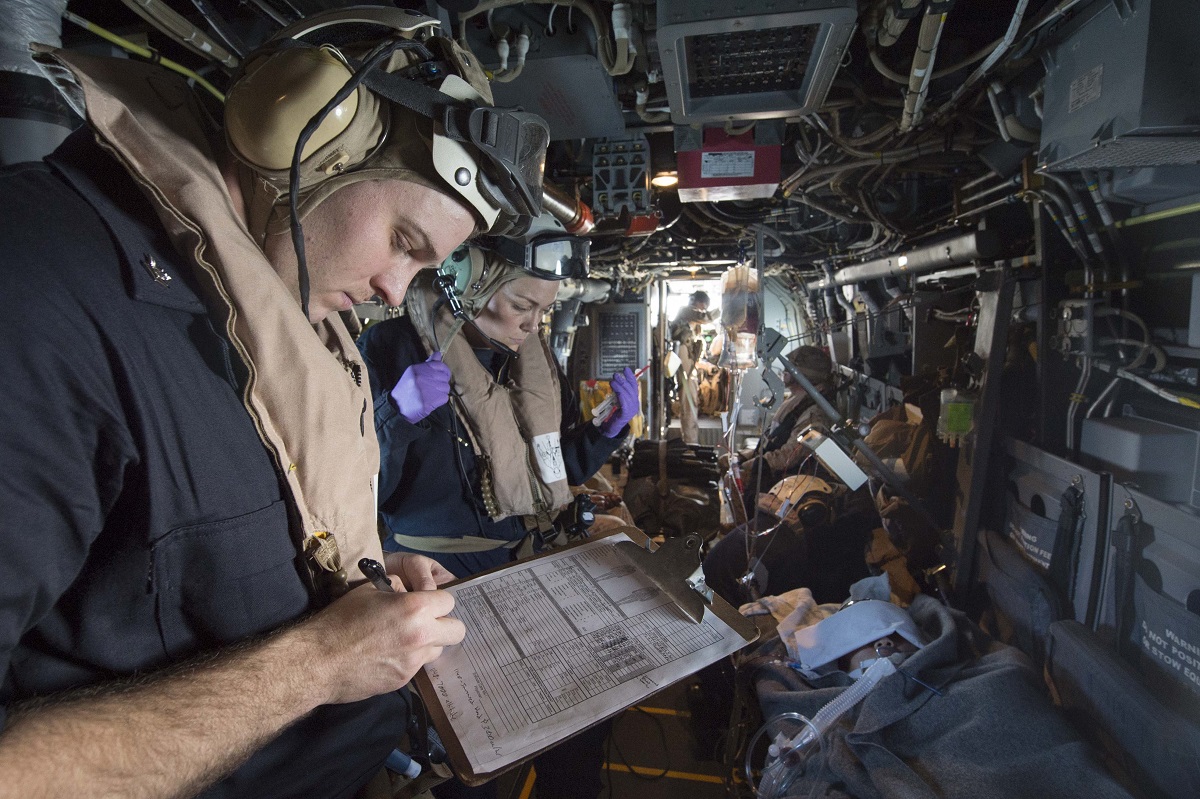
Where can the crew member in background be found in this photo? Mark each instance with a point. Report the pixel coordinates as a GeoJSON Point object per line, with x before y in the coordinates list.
{"type": "Point", "coordinates": [779, 451]}
{"type": "Point", "coordinates": [187, 481]}
{"type": "Point", "coordinates": [686, 333]}
{"type": "Point", "coordinates": [480, 439]}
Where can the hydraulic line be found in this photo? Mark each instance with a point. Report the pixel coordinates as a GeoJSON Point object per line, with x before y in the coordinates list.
{"type": "Point", "coordinates": [895, 77]}
{"type": "Point", "coordinates": [1085, 220]}
{"type": "Point", "coordinates": [166, 20]}
{"type": "Point", "coordinates": [988, 63]}
{"type": "Point", "coordinates": [221, 28]}
{"type": "Point", "coordinates": [614, 54]}
{"type": "Point", "coordinates": [930, 34]}
{"type": "Point", "coordinates": [1187, 400]}
{"type": "Point", "coordinates": [958, 144]}
{"type": "Point", "coordinates": [895, 20]}
{"type": "Point", "coordinates": [152, 55]}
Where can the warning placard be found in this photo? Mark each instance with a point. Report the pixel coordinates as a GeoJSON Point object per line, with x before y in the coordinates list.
{"type": "Point", "coordinates": [730, 164]}
{"type": "Point", "coordinates": [1169, 635]}
{"type": "Point", "coordinates": [1085, 89]}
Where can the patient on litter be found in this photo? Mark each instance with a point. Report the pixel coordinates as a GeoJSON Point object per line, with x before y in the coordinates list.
{"type": "Point", "coordinates": [927, 705]}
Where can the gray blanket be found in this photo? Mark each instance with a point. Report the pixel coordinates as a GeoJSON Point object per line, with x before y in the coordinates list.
{"type": "Point", "coordinates": [992, 731]}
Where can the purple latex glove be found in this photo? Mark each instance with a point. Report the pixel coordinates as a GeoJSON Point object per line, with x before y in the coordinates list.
{"type": "Point", "coordinates": [625, 386]}
{"type": "Point", "coordinates": [422, 388]}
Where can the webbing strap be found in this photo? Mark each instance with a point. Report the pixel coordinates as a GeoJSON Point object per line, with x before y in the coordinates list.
{"type": "Point", "coordinates": [1126, 543]}
{"type": "Point", "coordinates": [1064, 557]}
{"type": "Point", "coordinates": [468, 543]}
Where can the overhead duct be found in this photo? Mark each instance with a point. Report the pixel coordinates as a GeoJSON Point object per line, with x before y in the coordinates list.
{"type": "Point", "coordinates": [720, 60]}
{"type": "Point", "coordinates": [575, 215]}
{"type": "Point", "coordinates": [34, 119]}
{"type": "Point", "coordinates": [585, 290]}
{"type": "Point", "coordinates": [952, 252]}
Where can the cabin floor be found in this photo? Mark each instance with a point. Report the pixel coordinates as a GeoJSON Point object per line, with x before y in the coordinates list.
{"type": "Point", "coordinates": [651, 754]}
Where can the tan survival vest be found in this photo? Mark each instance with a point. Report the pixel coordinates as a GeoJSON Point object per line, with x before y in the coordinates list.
{"type": "Point", "coordinates": [306, 390]}
{"type": "Point", "coordinates": [514, 427]}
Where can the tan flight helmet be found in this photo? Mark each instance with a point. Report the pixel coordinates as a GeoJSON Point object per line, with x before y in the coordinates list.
{"type": "Point", "coordinates": [813, 362]}
{"type": "Point", "coordinates": [802, 500]}
{"type": "Point", "coordinates": [368, 93]}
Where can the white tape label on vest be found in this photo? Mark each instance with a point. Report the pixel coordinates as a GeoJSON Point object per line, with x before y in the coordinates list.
{"type": "Point", "coordinates": [549, 457]}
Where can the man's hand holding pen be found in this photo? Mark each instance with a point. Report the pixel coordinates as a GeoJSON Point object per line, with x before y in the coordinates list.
{"type": "Point", "coordinates": [416, 572]}
{"type": "Point", "coordinates": [374, 640]}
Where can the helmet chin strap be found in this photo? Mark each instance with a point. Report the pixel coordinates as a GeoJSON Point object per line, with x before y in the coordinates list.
{"type": "Point", "coordinates": [266, 207]}
{"type": "Point", "coordinates": [445, 284]}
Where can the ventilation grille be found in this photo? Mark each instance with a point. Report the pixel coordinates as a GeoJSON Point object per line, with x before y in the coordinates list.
{"type": "Point", "coordinates": [750, 62]}
{"type": "Point", "coordinates": [720, 63]}
{"type": "Point", "coordinates": [1130, 151]}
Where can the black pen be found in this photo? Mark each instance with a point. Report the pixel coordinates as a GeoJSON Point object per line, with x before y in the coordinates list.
{"type": "Point", "coordinates": [375, 573]}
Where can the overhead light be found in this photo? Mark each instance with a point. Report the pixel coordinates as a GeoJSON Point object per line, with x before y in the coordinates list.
{"type": "Point", "coordinates": [665, 180]}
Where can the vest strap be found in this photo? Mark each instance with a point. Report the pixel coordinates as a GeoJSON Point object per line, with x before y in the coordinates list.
{"type": "Point", "coordinates": [468, 543]}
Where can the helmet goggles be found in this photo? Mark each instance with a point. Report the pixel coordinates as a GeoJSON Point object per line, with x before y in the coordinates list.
{"type": "Point", "coordinates": [547, 257]}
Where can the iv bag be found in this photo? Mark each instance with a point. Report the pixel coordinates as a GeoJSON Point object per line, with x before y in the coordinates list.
{"type": "Point", "coordinates": [739, 300]}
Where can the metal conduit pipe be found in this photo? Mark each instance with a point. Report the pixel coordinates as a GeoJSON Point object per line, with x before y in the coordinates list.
{"type": "Point", "coordinates": [838, 295]}
{"type": "Point", "coordinates": [576, 216]}
{"type": "Point", "coordinates": [870, 299]}
{"type": "Point", "coordinates": [894, 290]}
{"type": "Point", "coordinates": [1004, 184]}
{"type": "Point", "coordinates": [895, 20]}
{"type": "Point", "coordinates": [831, 314]}
{"type": "Point", "coordinates": [951, 252]}
{"type": "Point", "coordinates": [980, 209]}
{"type": "Point", "coordinates": [1087, 225]}
{"type": "Point", "coordinates": [1002, 48]}
{"type": "Point", "coordinates": [984, 178]}
{"type": "Point", "coordinates": [922, 66]}
{"type": "Point", "coordinates": [584, 290]}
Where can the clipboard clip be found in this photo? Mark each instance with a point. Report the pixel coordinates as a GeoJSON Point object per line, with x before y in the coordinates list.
{"type": "Point", "coordinates": [676, 570]}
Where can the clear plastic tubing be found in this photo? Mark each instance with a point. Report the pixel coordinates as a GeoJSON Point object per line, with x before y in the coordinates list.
{"type": "Point", "coordinates": [790, 754]}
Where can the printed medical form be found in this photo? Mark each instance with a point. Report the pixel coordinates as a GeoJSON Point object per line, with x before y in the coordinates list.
{"type": "Point", "coordinates": [557, 643]}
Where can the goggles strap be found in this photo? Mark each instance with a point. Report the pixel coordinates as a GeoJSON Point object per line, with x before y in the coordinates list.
{"type": "Point", "coordinates": [412, 95]}
{"type": "Point", "coordinates": [493, 126]}
{"type": "Point", "coordinates": [496, 133]}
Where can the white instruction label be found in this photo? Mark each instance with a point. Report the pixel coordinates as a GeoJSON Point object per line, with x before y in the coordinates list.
{"type": "Point", "coordinates": [1085, 88]}
{"type": "Point", "coordinates": [1029, 544]}
{"type": "Point", "coordinates": [548, 448]}
{"type": "Point", "coordinates": [732, 164]}
{"type": "Point", "coordinates": [1172, 651]}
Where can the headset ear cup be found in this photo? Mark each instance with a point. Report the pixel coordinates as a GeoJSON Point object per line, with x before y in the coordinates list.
{"type": "Point", "coordinates": [270, 105]}
{"type": "Point", "coordinates": [813, 513]}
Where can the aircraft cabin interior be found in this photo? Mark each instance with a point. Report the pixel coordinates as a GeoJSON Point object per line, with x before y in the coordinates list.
{"type": "Point", "coordinates": [908, 292]}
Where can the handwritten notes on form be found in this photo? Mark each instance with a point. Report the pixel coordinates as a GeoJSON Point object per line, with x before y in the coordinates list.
{"type": "Point", "coordinates": [556, 643]}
